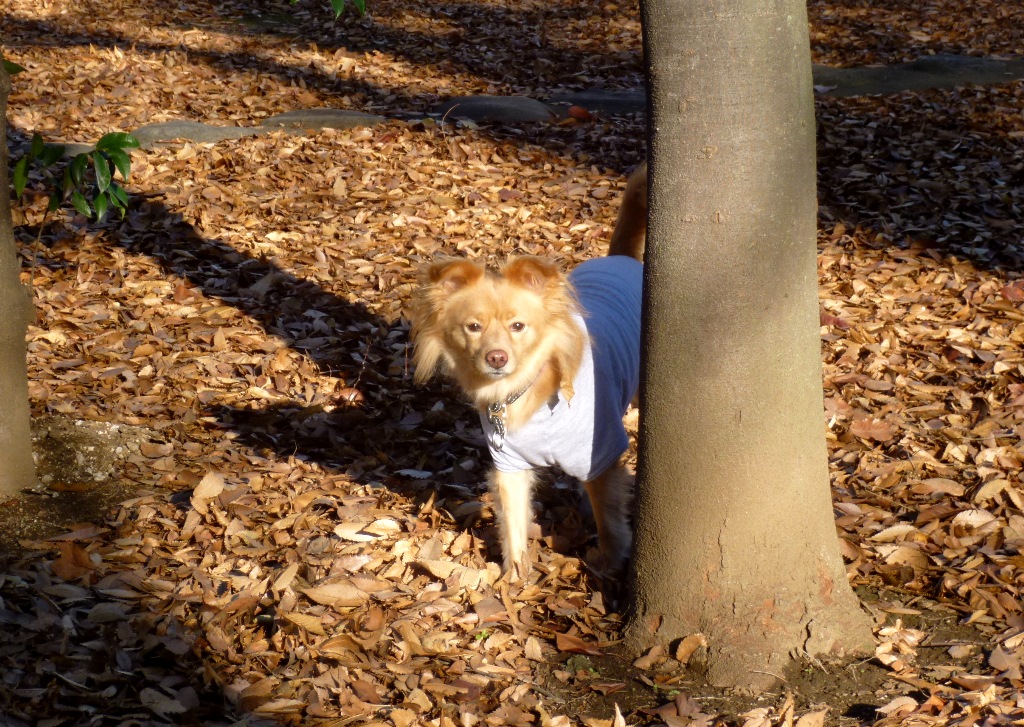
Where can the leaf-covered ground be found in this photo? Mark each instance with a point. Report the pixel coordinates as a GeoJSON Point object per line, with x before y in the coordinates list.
{"type": "Point", "coordinates": [303, 534]}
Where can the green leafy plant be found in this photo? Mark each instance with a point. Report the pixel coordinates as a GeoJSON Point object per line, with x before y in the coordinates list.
{"type": "Point", "coordinates": [339, 6]}
{"type": "Point", "coordinates": [579, 662]}
{"type": "Point", "coordinates": [87, 180]}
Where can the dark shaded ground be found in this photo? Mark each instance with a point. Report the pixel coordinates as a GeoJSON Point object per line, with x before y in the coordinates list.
{"type": "Point", "coordinates": [83, 472]}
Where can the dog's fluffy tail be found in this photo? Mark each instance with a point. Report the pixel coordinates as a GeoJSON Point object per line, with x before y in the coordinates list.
{"type": "Point", "coordinates": [630, 231]}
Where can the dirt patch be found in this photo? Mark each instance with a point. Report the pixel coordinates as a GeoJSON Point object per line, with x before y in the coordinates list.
{"type": "Point", "coordinates": [583, 684]}
{"type": "Point", "coordinates": [80, 467]}
{"type": "Point", "coordinates": [850, 691]}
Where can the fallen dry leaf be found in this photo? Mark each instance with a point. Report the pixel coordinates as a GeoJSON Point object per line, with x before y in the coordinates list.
{"type": "Point", "coordinates": [871, 428]}
{"type": "Point", "coordinates": [73, 563]}
{"type": "Point", "coordinates": [687, 646]}
{"type": "Point", "coordinates": [575, 645]}
{"type": "Point", "coordinates": [812, 719]}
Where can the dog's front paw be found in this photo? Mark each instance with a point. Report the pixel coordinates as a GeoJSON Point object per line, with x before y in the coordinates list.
{"type": "Point", "coordinates": [518, 570]}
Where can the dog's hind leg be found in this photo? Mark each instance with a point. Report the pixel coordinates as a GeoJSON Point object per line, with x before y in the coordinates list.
{"type": "Point", "coordinates": [513, 502]}
{"type": "Point", "coordinates": [610, 494]}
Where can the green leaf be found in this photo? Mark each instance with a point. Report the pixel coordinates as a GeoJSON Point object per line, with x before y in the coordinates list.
{"type": "Point", "coordinates": [122, 161]}
{"type": "Point", "coordinates": [67, 184]}
{"type": "Point", "coordinates": [37, 145]}
{"type": "Point", "coordinates": [339, 7]}
{"type": "Point", "coordinates": [20, 176]}
{"type": "Point", "coordinates": [118, 196]}
{"type": "Point", "coordinates": [102, 166]}
{"type": "Point", "coordinates": [55, 199]}
{"type": "Point", "coordinates": [12, 68]}
{"type": "Point", "coordinates": [117, 140]}
{"type": "Point", "coordinates": [360, 6]}
{"type": "Point", "coordinates": [77, 168]}
{"type": "Point", "coordinates": [79, 203]}
{"type": "Point", "coordinates": [52, 153]}
{"type": "Point", "coordinates": [101, 203]}
{"type": "Point", "coordinates": [119, 199]}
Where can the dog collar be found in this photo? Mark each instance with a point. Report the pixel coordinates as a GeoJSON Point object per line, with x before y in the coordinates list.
{"type": "Point", "coordinates": [496, 413]}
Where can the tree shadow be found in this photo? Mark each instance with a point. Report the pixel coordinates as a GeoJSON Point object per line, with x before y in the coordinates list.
{"type": "Point", "coordinates": [613, 142]}
{"type": "Point", "coordinates": [371, 441]}
{"type": "Point", "coordinates": [865, 175]}
{"type": "Point", "coordinates": [932, 168]}
{"type": "Point", "coordinates": [358, 346]}
{"type": "Point", "coordinates": [483, 43]}
{"type": "Point", "coordinates": [480, 40]}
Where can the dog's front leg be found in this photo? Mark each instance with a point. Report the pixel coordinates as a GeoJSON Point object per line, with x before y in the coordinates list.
{"type": "Point", "coordinates": [513, 503]}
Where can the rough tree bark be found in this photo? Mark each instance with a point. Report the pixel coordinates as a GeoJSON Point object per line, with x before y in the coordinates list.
{"type": "Point", "coordinates": [735, 532]}
{"type": "Point", "coordinates": [17, 470]}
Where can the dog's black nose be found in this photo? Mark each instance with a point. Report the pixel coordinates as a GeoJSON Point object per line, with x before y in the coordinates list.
{"type": "Point", "coordinates": [496, 359]}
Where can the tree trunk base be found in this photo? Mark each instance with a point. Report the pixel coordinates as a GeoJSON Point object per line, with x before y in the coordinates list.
{"type": "Point", "coordinates": [17, 468]}
{"type": "Point", "coordinates": [764, 642]}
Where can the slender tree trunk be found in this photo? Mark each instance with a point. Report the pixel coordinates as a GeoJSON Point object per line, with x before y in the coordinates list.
{"type": "Point", "coordinates": [735, 532]}
{"type": "Point", "coordinates": [17, 470]}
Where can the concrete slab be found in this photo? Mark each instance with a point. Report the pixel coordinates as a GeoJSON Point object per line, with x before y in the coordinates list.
{"type": "Point", "coordinates": [495, 108]}
{"type": "Point", "coordinates": [313, 119]}
{"type": "Point", "coordinates": [603, 101]}
{"type": "Point", "coordinates": [164, 132]}
{"type": "Point", "coordinates": [938, 71]}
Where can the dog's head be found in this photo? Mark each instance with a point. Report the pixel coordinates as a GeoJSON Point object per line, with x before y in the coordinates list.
{"type": "Point", "coordinates": [494, 334]}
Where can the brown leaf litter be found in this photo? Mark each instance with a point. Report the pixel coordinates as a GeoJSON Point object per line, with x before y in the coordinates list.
{"type": "Point", "coordinates": [303, 536]}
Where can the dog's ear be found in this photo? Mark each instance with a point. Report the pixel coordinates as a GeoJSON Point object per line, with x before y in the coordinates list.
{"type": "Point", "coordinates": [533, 273]}
{"type": "Point", "coordinates": [451, 275]}
{"type": "Point", "coordinates": [438, 281]}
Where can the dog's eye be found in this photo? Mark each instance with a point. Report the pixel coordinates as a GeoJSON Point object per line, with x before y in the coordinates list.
{"type": "Point", "coordinates": [518, 327]}
{"type": "Point", "coordinates": [474, 327]}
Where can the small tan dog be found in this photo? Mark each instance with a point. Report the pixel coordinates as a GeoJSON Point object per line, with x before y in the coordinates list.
{"type": "Point", "coordinates": [551, 363]}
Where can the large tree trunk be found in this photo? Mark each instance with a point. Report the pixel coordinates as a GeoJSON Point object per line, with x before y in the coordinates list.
{"type": "Point", "coordinates": [735, 532]}
{"type": "Point", "coordinates": [17, 470]}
